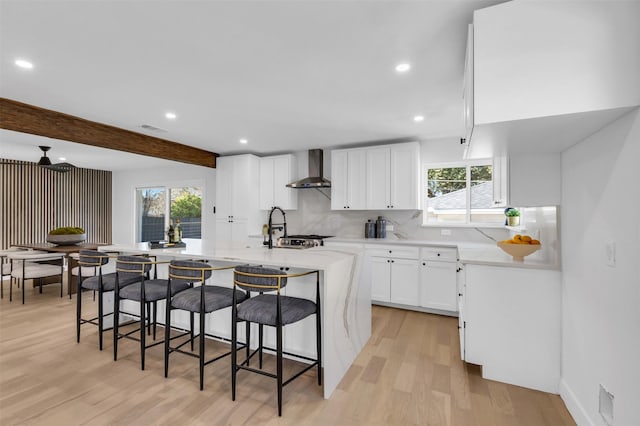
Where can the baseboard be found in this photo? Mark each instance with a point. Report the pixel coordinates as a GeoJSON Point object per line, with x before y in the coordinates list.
{"type": "Point", "coordinates": [576, 409]}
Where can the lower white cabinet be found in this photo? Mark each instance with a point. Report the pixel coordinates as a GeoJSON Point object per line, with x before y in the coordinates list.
{"type": "Point", "coordinates": [438, 289]}
{"type": "Point", "coordinates": [394, 275]}
{"type": "Point", "coordinates": [512, 324]}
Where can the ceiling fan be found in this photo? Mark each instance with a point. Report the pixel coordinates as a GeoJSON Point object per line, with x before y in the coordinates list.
{"type": "Point", "coordinates": [46, 162]}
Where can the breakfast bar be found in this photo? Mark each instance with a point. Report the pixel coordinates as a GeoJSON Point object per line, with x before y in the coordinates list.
{"type": "Point", "coordinates": [345, 296]}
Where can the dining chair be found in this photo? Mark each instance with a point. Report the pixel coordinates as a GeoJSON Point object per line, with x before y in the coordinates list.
{"type": "Point", "coordinates": [30, 265]}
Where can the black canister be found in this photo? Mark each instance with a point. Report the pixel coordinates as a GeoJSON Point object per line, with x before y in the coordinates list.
{"type": "Point", "coordinates": [370, 229]}
{"type": "Point", "coordinates": [381, 227]}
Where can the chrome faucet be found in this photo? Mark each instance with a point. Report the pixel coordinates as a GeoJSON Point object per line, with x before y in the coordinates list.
{"type": "Point", "coordinates": [273, 226]}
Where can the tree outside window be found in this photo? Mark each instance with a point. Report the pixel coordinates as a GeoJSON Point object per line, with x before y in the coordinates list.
{"type": "Point", "coordinates": [461, 193]}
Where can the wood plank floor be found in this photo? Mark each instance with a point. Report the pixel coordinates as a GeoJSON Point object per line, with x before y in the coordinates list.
{"type": "Point", "coordinates": [409, 373]}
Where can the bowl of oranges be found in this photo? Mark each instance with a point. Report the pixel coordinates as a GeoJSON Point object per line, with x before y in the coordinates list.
{"type": "Point", "coordinates": [520, 246]}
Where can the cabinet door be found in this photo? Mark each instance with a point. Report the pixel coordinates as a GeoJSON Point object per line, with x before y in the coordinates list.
{"type": "Point", "coordinates": [405, 176]}
{"type": "Point", "coordinates": [223, 230]}
{"type": "Point", "coordinates": [267, 183]}
{"type": "Point", "coordinates": [378, 180]}
{"type": "Point", "coordinates": [239, 231]}
{"type": "Point", "coordinates": [404, 281]}
{"type": "Point", "coordinates": [286, 198]}
{"type": "Point", "coordinates": [357, 179]}
{"type": "Point", "coordinates": [500, 178]}
{"type": "Point", "coordinates": [468, 86]}
{"type": "Point", "coordinates": [240, 199]}
{"type": "Point", "coordinates": [439, 286]}
{"type": "Point", "coordinates": [339, 165]}
{"type": "Point", "coordinates": [380, 279]}
{"type": "Point", "coordinates": [223, 188]}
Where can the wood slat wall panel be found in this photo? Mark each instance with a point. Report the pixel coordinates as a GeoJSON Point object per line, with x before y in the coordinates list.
{"type": "Point", "coordinates": [36, 200]}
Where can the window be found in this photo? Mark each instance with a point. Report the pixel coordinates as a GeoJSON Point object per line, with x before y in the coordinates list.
{"type": "Point", "coordinates": [461, 193]}
{"type": "Point", "coordinates": [158, 207]}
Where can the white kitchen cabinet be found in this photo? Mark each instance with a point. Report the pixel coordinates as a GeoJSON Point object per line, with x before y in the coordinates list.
{"type": "Point", "coordinates": [461, 309]}
{"type": "Point", "coordinates": [348, 179]}
{"type": "Point", "coordinates": [393, 177]}
{"type": "Point", "coordinates": [588, 77]}
{"type": "Point", "coordinates": [237, 186]}
{"type": "Point", "coordinates": [500, 177]}
{"type": "Point", "coordinates": [467, 93]}
{"type": "Point", "coordinates": [405, 176]}
{"type": "Point", "coordinates": [512, 324]}
{"type": "Point", "coordinates": [438, 279]}
{"type": "Point", "coordinates": [275, 173]}
{"type": "Point", "coordinates": [394, 274]}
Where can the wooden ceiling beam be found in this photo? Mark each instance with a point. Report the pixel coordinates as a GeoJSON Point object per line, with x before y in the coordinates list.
{"type": "Point", "coordinates": [26, 118]}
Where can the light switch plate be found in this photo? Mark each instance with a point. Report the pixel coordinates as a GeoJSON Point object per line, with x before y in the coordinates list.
{"type": "Point", "coordinates": [445, 232]}
{"type": "Point", "coordinates": [611, 253]}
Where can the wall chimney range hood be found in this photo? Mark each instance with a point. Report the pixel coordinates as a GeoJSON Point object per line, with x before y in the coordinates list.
{"type": "Point", "coordinates": [315, 179]}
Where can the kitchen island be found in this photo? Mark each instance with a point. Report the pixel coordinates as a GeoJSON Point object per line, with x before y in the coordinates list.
{"type": "Point", "coordinates": [345, 296]}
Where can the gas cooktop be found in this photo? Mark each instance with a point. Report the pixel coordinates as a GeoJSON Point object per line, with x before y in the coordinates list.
{"type": "Point", "coordinates": [301, 241]}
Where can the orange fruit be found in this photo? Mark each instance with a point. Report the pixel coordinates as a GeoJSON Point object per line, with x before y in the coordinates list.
{"type": "Point", "coordinates": [526, 238]}
{"type": "Point", "coordinates": [517, 237]}
{"type": "Point", "coordinates": [535, 242]}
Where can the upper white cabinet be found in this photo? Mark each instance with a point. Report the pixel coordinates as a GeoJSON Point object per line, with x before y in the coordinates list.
{"type": "Point", "coordinates": [237, 186]}
{"type": "Point", "coordinates": [376, 178]}
{"type": "Point", "coordinates": [348, 179]}
{"type": "Point", "coordinates": [541, 76]}
{"type": "Point", "coordinates": [275, 173]}
{"type": "Point", "coordinates": [527, 180]}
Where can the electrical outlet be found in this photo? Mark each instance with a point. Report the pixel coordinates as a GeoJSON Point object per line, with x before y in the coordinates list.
{"type": "Point", "coordinates": [611, 253]}
{"type": "Point", "coordinates": [445, 232]}
{"type": "Point", "coordinates": [389, 227]}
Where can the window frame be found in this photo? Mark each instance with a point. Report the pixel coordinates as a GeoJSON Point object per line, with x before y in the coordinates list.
{"type": "Point", "coordinates": [467, 164]}
{"type": "Point", "coordinates": [167, 208]}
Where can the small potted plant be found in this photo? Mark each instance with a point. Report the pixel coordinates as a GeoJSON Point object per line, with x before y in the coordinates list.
{"type": "Point", "coordinates": [66, 236]}
{"type": "Point", "coordinates": [513, 217]}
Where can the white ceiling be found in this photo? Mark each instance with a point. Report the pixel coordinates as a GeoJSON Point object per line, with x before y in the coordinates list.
{"type": "Point", "coordinates": [286, 75]}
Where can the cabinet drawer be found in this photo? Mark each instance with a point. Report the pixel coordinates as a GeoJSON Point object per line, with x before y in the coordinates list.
{"type": "Point", "coordinates": [401, 252]}
{"type": "Point", "coordinates": [445, 254]}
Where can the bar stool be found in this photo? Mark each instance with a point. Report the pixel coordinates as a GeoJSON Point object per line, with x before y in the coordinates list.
{"type": "Point", "coordinates": [92, 261]}
{"type": "Point", "coordinates": [144, 291]}
{"type": "Point", "coordinates": [202, 300]}
{"type": "Point", "coordinates": [275, 311]}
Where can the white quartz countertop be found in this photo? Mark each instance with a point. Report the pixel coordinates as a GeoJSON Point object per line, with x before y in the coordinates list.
{"type": "Point", "coordinates": [313, 258]}
{"type": "Point", "coordinates": [468, 253]}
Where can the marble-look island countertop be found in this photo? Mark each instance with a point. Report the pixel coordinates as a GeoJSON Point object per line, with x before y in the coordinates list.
{"type": "Point", "coordinates": [345, 294]}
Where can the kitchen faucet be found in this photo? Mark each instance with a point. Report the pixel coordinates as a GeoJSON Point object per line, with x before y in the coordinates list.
{"type": "Point", "coordinates": [273, 226]}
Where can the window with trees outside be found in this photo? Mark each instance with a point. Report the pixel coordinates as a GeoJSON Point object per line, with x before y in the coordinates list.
{"type": "Point", "coordinates": [461, 193]}
{"type": "Point", "coordinates": [158, 207]}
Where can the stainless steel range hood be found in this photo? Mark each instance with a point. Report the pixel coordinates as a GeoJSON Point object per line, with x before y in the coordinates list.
{"type": "Point", "coordinates": [315, 179]}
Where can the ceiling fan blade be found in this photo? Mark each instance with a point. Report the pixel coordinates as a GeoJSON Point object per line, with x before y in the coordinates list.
{"type": "Point", "coordinates": [61, 167]}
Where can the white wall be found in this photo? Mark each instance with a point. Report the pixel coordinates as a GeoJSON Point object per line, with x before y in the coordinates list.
{"type": "Point", "coordinates": [601, 304]}
{"type": "Point", "coordinates": [124, 195]}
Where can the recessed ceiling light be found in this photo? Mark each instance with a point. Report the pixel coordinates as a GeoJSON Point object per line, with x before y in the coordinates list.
{"type": "Point", "coordinates": [244, 141]}
{"type": "Point", "coordinates": [404, 67]}
{"type": "Point", "coordinates": [170, 115]}
{"type": "Point", "coordinates": [418, 118]}
{"type": "Point", "coordinates": [62, 159]}
{"type": "Point", "coordinates": [23, 64]}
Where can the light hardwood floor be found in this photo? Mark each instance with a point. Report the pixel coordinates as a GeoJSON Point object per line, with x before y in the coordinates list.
{"type": "Point", "coordinates": [409, 373]}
